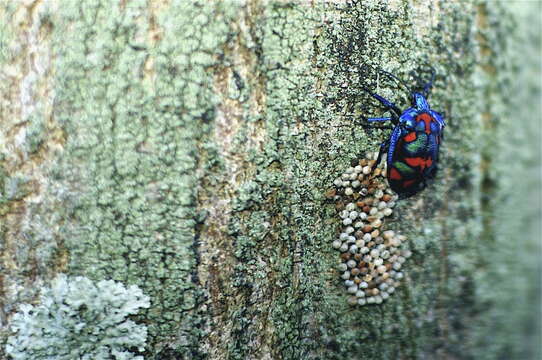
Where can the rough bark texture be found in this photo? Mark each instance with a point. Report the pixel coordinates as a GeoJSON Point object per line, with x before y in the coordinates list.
{"type": "Point", "coordinates": [186, 148]}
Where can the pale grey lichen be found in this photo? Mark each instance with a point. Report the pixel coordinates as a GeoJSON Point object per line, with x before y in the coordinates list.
{"type": "Point", "coordinates": [77, 318]}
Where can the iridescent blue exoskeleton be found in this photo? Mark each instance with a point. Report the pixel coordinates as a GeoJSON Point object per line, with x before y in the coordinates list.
{"type": "Point", "coordinates": [413, 146]}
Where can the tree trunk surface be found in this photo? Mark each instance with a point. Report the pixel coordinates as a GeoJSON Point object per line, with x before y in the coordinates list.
{"type": "Point", "coordinates": [187, 148]}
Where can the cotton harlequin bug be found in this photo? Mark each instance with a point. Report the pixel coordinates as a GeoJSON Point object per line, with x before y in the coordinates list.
{"type": "Point", "coordinates": [413, 146]}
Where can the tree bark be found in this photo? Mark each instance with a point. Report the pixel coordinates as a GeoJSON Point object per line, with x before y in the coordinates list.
{"type": "Point", "coordinates": [186, 147]}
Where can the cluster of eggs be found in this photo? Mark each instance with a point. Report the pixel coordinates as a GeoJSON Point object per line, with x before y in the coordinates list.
{"type": "Point", "coordinates": [371, 256]}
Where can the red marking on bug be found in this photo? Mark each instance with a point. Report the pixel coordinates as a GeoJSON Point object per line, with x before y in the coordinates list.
{"type": "Point", "coordinates": [427, 119]}
{"type": "Point", "coordinates": [394, 174]}
{"type": "Point", "coordinates": [408, 183]}
{"type": "Point", "coordinates": [410, 136]}
{"type": "Point", "coordinates": [418, 161]}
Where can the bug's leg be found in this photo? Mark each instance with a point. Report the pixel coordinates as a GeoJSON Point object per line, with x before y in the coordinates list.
{"type": "Point", "coordinates": [388, 147]}
{"type": "Point", "coordinates": [385, 127]}
{"type": "Point", "coordinates": [380, 119]}
{"type": "Point", "coordinates": [439, 117]}
{"type": "Point", "coordinates": [383, 149]}
{"type": "Point", "coordinates": [388, 104]}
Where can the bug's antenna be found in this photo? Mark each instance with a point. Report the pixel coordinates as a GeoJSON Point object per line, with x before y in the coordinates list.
{"type": "Point", "coordinates": [429, 85]}
{"type": "Point", "coordinates": [395, 78]}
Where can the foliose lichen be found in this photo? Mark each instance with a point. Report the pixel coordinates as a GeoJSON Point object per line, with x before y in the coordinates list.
{"type": "Point", "coordinates": [77, 318]}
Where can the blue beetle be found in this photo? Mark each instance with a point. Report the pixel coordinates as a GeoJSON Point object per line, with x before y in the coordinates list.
{"type": "Point", "coordinates": [413, 146]}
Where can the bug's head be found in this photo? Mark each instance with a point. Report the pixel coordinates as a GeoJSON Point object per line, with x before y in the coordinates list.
{"type": "Point", "coordinates": [419, 101]}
